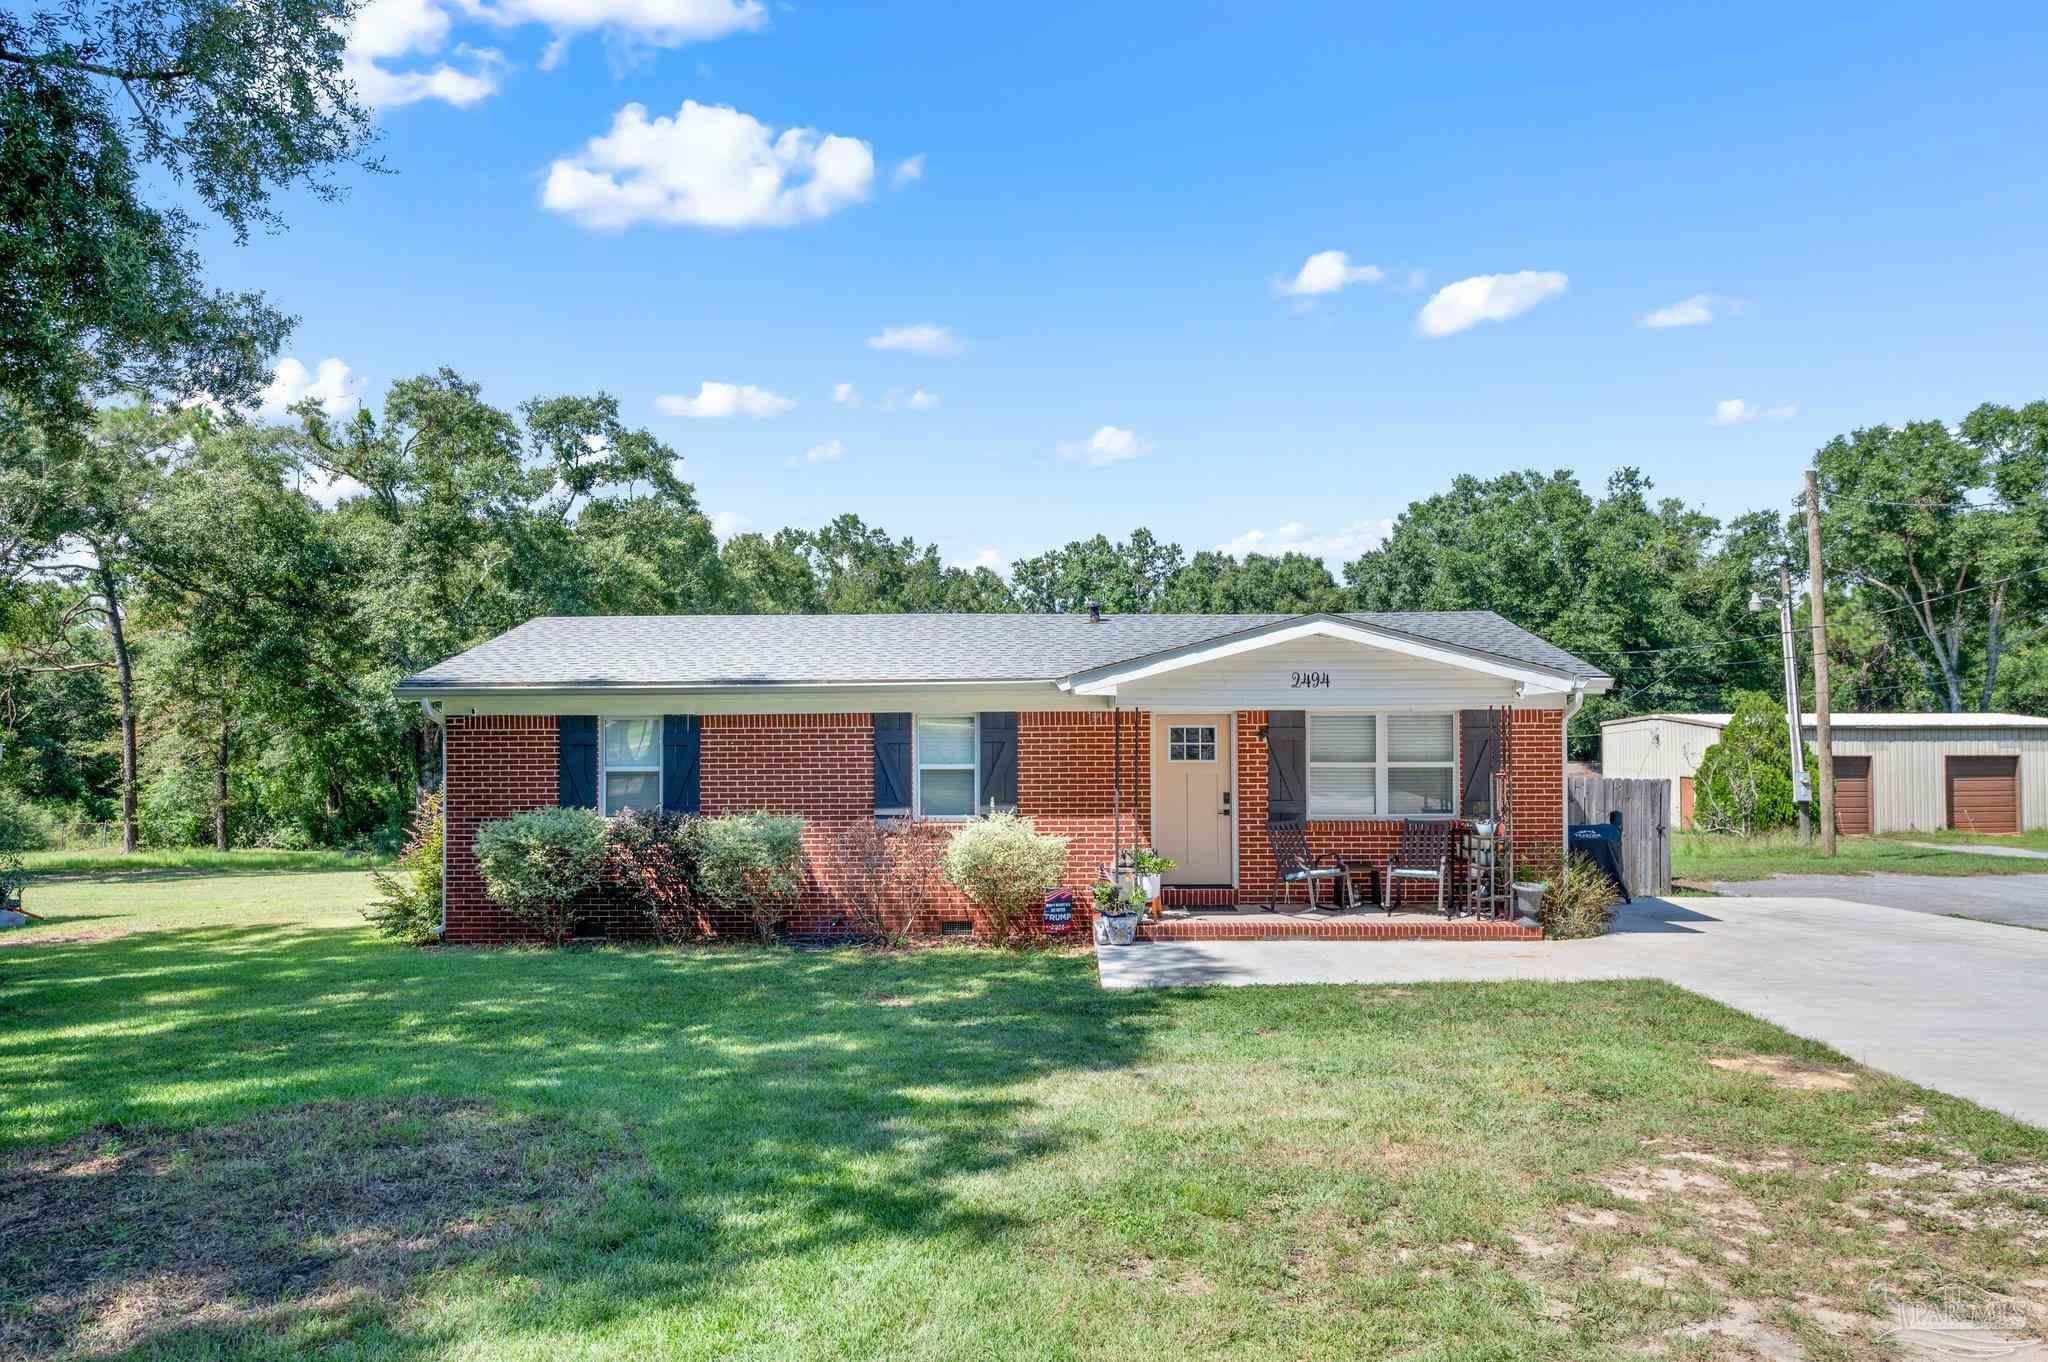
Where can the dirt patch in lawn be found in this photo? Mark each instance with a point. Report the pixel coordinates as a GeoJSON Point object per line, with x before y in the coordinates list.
{"type": "Point", "coordinates": [1785, 1072]}
{"type": "Point", "coordinates": [113, 1239]}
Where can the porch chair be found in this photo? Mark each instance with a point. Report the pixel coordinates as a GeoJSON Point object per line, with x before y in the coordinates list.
{"type": "Point", "coordinates": [1424, 854]}
{"type": "Point", "coordinates": [1296, 864]}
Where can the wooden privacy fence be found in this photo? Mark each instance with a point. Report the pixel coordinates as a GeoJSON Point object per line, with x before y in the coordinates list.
{"type": "Point", "coordinates": [1645, 809]}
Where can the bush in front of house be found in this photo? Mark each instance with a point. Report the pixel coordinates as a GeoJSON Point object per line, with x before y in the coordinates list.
{"type": "Point", "coordinates": [1004, 865]}
{"type": "Point", "coordinates": [1744, 782]}
{"type": "Point", "coordinates": [752, 863]}
{"type": "Point", "coordinates": [652, 856]}
{"type": "Point", "coordinates": [1579, 902]}
{"type": "Point", "coordinates": [889, 875]}
{"type": "Point", "coordinates": [408, 903]}
{"type": "Point", "coordinates": [535, 865]}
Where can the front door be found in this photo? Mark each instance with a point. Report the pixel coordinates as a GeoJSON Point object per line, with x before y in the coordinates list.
{"type": "Point", "coordinates": [1192, 763]}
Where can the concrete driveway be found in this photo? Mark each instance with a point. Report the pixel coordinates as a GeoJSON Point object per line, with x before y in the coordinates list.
{"type": "Point", "coordinates": [2021, 900]}
{"type": "Point", "coordinates": [1953, 1004]}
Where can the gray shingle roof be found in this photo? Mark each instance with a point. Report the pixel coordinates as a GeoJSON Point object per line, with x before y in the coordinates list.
{"type": "Point", "coordinates": [737, 650]}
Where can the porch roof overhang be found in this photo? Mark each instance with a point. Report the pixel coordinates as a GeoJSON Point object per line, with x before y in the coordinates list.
{"type": "Point", "coordinates": [1529, 680]}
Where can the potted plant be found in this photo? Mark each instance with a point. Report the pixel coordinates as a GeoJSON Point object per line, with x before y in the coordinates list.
{"type": "Point", "coordinates": [1152, 868]}
{"type": "Point", "coordinates": [13, 879]}
{"type": "Point", "coordinates": [1116, 914]}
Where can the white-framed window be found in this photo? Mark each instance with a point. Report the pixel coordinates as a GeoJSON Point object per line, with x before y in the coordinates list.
{"type": "Point", "coordinates": [629, 769]}
{"type": "Point", "coordinates": [1191, 742]}
{"type": "Point", "coordinates": [1382, 765]}
{"type": "Point", "coordinates": [945, 752]}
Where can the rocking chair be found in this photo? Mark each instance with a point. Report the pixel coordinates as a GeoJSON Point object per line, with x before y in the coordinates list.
{"type": "Point", "coordinates": [1425, 855]}
{"type": "Point", "coordinates": [1298, 865]}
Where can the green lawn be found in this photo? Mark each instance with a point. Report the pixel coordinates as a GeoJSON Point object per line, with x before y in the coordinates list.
{"type": "Point", "coordinates": [232, 1140]}
{"type": "Point", "coordinates": [99, 861]}
{"type": "Point", "coordinates": [1699, 857]}
{"type": "Point", "coordinates": [2036, 840]}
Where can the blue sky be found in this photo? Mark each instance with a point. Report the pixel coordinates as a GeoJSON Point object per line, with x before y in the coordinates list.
{"type": "Point", "coordinates": [1113, 201]}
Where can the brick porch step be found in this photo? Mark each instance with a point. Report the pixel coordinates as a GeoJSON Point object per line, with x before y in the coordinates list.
{"type": "Point", "coordinates": [1257, 925]}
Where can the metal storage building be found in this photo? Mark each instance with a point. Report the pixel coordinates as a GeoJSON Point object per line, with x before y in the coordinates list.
{"type": "Point", "coordinates": [1893, 772]}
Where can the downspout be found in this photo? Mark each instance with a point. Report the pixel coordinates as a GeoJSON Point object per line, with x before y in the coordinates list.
{"type": "Point", "coordinates": [1572, 703]}
{"type": "Point", "coordinates": [440, 721]}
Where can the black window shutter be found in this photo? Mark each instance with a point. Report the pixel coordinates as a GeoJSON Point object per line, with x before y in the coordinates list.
{"type": "Point", "coordinates": [1287, 766]}
{"type": "Point", "coordinates": [892, 761]}
{"type": "Point", "coordinates": [576, 767]}
{"type": "Point", "coordinates": [999, 759]}
{"type": "Point", "coordinates": [1479, 743]}
{"type": "Point", "coordinates": [680, 762]}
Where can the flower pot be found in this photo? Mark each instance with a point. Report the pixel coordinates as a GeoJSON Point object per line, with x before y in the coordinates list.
{"type": "Point", "coordinates": [1119, 929]}
{"type": "Point", "coordinates": [1529, 904]}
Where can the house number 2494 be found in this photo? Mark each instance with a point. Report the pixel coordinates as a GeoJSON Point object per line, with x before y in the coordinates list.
{"type": "Point", "coordinates": [1311, 680]}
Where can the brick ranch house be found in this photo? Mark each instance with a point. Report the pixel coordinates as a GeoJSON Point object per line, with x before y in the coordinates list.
{"type": "Point", "coordinates": [1183, 732]}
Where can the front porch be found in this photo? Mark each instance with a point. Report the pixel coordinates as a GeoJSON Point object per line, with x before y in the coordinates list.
{"type": "Point", "coordinates": [1250, 922]}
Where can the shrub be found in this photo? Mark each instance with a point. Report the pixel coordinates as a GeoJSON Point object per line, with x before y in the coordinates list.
{"type": "Point", "coordinates": [408, 903]}
{"type": "Point", "coordinates": [23, 826]}
{"type": "Point", "coordinates": [1578, 901]}
{"type": "Point", "coordinates": [752, 863]}
{"type": "Point", "coordinates": [1744, 781]}
{"type": "Point", "coordinates": [891, 868]}
{"type": "Point", "coordinates": [534, 865]}
{"type": "Point", "coordinates": [1004, 865]}
{"type": "Point", "coordinates": [1112, 901]}
{"type": "Point", "coordinates": [652, 857]}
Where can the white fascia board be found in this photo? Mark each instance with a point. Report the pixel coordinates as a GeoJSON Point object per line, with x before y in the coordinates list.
{"type": "Point", "coordinates": [1104, 681]}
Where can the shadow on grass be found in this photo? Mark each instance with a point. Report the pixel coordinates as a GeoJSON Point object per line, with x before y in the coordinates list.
{"type": "Point", "coordinates": [766, 1105]}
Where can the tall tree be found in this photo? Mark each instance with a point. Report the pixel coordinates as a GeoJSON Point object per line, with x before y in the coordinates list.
{"type": "Point", "coordinates": [1217, 583]}
{"type": "Point", "coordinates": [1125, 578]}
{"type": "Point", "coordinates": [229, 101]}
{"type": "Point", "coordinates": [1947, 527]}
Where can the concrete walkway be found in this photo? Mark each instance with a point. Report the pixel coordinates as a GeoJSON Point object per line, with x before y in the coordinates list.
{"type": "Point", "coordinates": [1983, 849]}
{"type": "Point", "coordinates": [1953, 1004]}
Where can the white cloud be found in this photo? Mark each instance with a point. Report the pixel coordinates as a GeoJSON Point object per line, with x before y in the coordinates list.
{"type": "Point", "coordinates": [658, 23]}
{"type": "Point", "coordinates": [709, 166]}
{"type": "Point", "coordinates": [1697, 310]}
{"type": "Point", "coordinates": [718, 400]}
{"type": "Point", "coordinates": [1335, 548]}
{"type": "Point", "coordinates": [919, 338]}
{"type": "Point", "coordinates": [1108, 445]}
{"type": "Point", "coordinates": [917, 399]}
{"type": "Point", "coordinates": [726, 524]}
{"type": "Point", "coordinates": [845, 395]}
{"type": "Point", "coordinates": [1734, 411]}
{"type": "Point", "coordinates": [909, 170]}
{"type": "Point", "coordinates": [385, 31]}
{"type": "Point", "coordinates": [987, 558]}
{"type": "Point", "coordinates": [824, 453]}
{"type": "Point", "coordinates": [1486, 298]}
{"type": "Point", "coordinates": [1327, 272]}
{"type": "Point", "coordinates": [331, 383]}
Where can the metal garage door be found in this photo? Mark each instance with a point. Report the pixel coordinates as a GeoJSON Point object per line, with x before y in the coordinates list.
{"type": "Point", "coordinates": [1984, 794]}
{"type": "Point", "coordinates": [1852, 796]}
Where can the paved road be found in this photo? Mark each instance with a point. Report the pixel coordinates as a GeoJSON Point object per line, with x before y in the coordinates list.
{"type": "Point", "coordinates": [1954, 1004]}
{"type": "Point", "coordinates": [2021, 900]}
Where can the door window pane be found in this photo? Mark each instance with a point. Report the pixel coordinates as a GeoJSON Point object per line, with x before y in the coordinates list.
{"type": "Point", "coordinates": [1191, 742]}
{"type": "Point", "coordinates": [948, 794]}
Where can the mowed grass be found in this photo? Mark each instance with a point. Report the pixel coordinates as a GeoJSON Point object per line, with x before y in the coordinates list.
{"type": "Point", "coordinates": [101, 861]}
{"type": "Point", "coordinates": [252, 894]}
{"type": "Point", "coordinates": [2035, 839]}
{"type": "Point", "coordinates": [1702, 857]}
{"type": "Point", "coordinates": [283, 1140]}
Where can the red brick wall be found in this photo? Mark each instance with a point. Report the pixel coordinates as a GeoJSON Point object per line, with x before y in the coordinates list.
{"type": "Point", "coordinates": [820, 766]}
{"type": "Point", "coordinates": [1533, 751]}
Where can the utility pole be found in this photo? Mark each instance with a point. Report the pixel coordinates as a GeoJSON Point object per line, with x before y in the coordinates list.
{"type": "Point", "coordinates": [1802, 789]}
{"type": "Point", "coordinates": [1823, 729]}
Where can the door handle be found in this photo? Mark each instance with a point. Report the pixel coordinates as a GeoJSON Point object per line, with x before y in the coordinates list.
{"type": "Point", "coordinates": [1225, 810]}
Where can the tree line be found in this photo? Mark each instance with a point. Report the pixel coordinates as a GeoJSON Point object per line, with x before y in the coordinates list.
{"type": "Point", "coordinates": [201, 619]}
